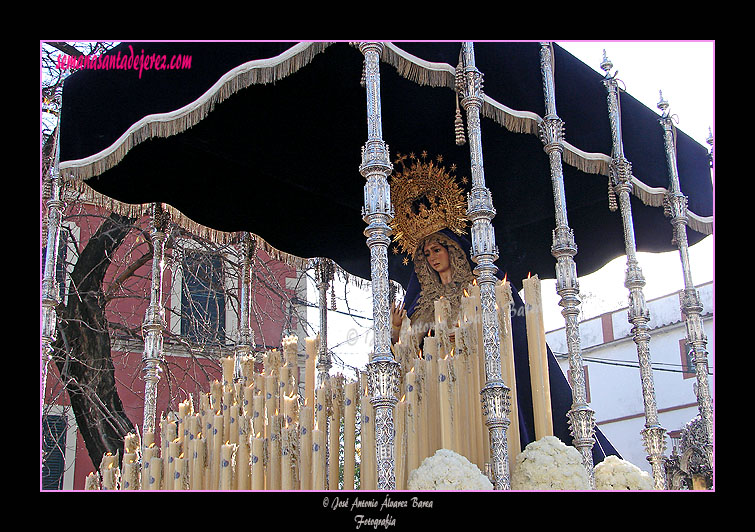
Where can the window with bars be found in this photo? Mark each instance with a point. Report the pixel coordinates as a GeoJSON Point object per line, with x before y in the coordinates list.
{"type": "Point", "coordinates": [53, 447]}
{"type": "Point", "coordinates": [203, 298]}
{"type": "Point", "coordinates": [688, 360]}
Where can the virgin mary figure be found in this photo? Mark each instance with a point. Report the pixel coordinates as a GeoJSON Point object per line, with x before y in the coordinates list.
{"type": "Point", "coordinates": [429, 225]}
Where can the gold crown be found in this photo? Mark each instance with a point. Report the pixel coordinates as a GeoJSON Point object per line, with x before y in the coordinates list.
{"type": "Point", "coordinates": [426, 198]}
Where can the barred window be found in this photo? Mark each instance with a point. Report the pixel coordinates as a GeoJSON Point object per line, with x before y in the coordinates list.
{"type": "Point", "coordinates": [203, 298]}
{"type": "Point", "coordinates": [53, 447]}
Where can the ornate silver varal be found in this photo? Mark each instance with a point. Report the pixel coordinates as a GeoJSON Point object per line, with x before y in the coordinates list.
{"type": "Point", "coordinates": [50, 286]}
{"type": "Point", "coordinates": [495, 394]}
{"type": "Point", "coordinates": [620, 169]}
{"type": "Point", "coordinates": [581, 416]}
{"type": "Point", "coordinates": [245, 345]}
{"type": "Point", "coordinates": [324, 272]}
{"type": "Point", "coordinates": [692, 308]}
{"type": "Point", "coordinates": [154, 322]}
{"type": "Point", "coordinates": [377, 212]}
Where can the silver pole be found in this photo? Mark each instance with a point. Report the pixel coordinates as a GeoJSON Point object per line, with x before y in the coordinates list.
{"type": "Point", "coordinates": [654, 436]}
{"type": "Point", "coordinates": [495, 395]}
{"type": "Point", "coordinates": [581, 416]}
{"type": "Point", "coordinates": [246, 333]}
{"type": "Point", "coordinates": [50, 286]}
{"type": "Point", "coordinates": [383, 370]}
{"type": "Point", "coordinates": [324, 272]}
{"type": "Point", "coordinates": [154, 323]}
{"type": "Point", "coordinates": [691, 306]}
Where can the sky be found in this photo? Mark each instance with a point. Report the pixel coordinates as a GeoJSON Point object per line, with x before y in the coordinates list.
{"type": "Point", "coordinates": [684, 72]}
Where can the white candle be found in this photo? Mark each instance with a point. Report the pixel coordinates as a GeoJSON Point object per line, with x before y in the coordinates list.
{"type": "Point", "coordinates": [258, 474]}
{"type": "Point", "coordinates": [367, 469]}
{"type": "Point", "coordinates": [130, 478]}
{"type": "Point", "coordinates": [155, 473]}
{"type": "Point", "coordinates": [233, 422]}
{"type": "Point", "coordinates": [309, 370]}
{"type": "Point", "coordinates": [318, 460]}
{"type": "Point", "coordinates": [198, 470]}
{"type": "Point", "coordinates": [349, 427]}
{"type": "Point", "coordinates": [150, 451]}
{"type": "Point", "coordinates": [217, 443]}
{"type": "Point", "coordinates": [286, 479]}
{"type": "Point", "coordinates": [305, 444]}
{"type": "Point", "coordinates": [444, 405]}
{"type": "Point", "coordinates": [180, 480]}
{"type": "Point", "coordinates": [228, 369]}
{"type": "Point", "coordinates": [274, 463]}
{"type": "Point", "coordinates": [243, 467]}
{"type": "Point", "coordinates": [538, 358]}
{"type": "Point", "coordinates": [412, 441]}
{"type": "Point", "coordinates": [504, 301]}
{"type": "Point", "coordinates": [400, 444]}
{"type": "Point", "coordinates": [109, 478]}
{"type": "Point", "coordinates": [227, 452]}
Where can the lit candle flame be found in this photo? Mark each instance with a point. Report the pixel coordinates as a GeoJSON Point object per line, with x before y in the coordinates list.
{"type": "Point", "coordinates": [466, 294]}
{"type": "Point", "coordinates": [505, 277]}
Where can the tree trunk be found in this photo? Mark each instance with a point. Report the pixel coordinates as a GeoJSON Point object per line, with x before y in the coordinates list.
{"type": "Point", "coordinates": [83, 351]}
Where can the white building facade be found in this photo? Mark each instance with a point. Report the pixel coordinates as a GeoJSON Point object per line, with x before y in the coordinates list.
{"type": "Point", "coordinates": [613, 377]}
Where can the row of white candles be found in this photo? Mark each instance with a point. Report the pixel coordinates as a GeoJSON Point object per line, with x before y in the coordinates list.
{"type": "Point", "coordinates": [449, 374]}
{"type": "Point", "coordinates": [254, 436]}
{"type": "Point", "coordinates": [258, 436]}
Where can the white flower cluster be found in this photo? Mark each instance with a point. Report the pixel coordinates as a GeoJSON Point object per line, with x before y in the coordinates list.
{"type": "Point", "coordinates": [613, 473]}
{"type": "Point", "coordinates": [549, 464]}
{"type": "Point", "coordinates": [447, 470]}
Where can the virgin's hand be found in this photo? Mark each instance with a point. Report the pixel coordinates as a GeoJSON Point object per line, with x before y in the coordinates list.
{"type": "Point", "coordinates": [397, 314]}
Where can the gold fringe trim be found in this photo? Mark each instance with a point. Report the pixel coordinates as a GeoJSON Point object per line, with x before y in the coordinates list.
{"type": "Point", "coordinates": [79, 190]}
{"type": "Point", "coordinates": [700, 224]}
{"type": "Point", "coordinates": [255, 72]}
{"type": "Point", "coordinates": [87, 194]}
{"type": "Point", "coordinates": [443, 75]}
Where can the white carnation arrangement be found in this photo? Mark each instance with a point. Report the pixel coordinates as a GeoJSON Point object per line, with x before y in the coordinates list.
{"type": "Point", "coordinates": [613, 473]}
{"type": "Point", "coordinates": [447, 470]}
{"type": "Point", "coordinates": [549, 464]}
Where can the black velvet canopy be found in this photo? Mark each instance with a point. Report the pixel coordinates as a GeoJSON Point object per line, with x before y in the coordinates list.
{"type": "Point", "coordinates": [280, 159]}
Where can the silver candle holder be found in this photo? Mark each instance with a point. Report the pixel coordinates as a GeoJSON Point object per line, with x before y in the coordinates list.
{"type": "Point", "coordinates": [620, 170]}
{"type": "Point", "coordinates": [581, 416]}
{"type": "Point", "coordinates": [245, 344]}
{"type": "Point", "coordinates": [324, 274]}
{"type": "Point", "coordinates": [50, 285]}
{"type": "Point", "coordinates": [377, 212]}
{"type": "Point", "coordinates": [495, 395]}
{"type": "Point", "coordinates": [675, 204]}
{"type": "Point", "coordinates": [154, 322]}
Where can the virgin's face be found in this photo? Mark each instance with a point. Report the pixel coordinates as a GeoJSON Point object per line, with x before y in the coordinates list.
{"type": "Point", "coordinates": [437, 257]}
